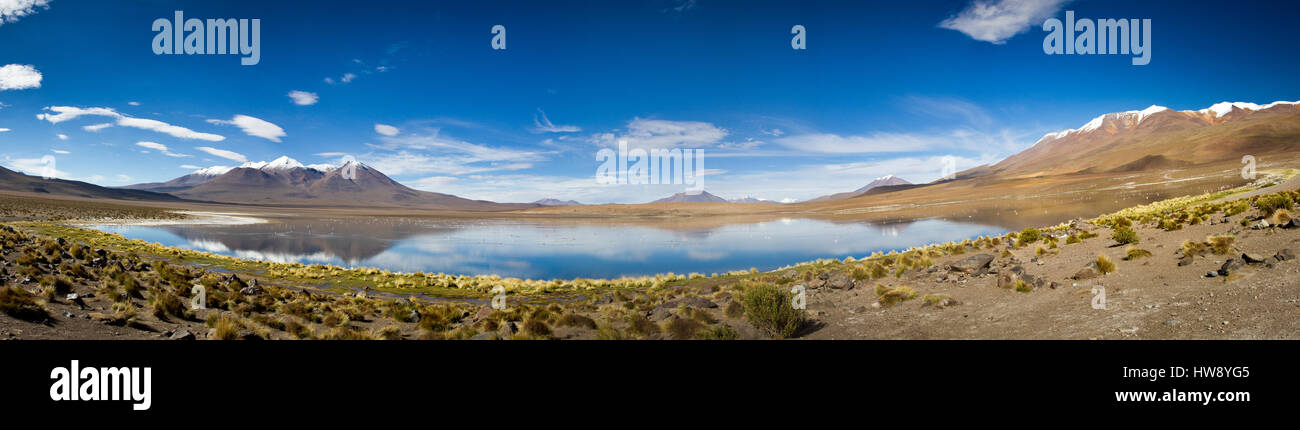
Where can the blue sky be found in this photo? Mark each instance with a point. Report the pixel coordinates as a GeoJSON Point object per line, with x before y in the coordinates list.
{"type": "Point", "coordinates": [882, 88]}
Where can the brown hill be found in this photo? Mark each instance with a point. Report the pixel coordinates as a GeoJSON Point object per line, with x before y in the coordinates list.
{"type": "Point", "coordinates": [18, 182]}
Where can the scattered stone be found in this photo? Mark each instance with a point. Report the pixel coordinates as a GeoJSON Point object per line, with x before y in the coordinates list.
{"type": "Point", "coordinates": [1253, 258]}
{"type": "Point", "coordinates": [485, 336]}
{"type": "Point", "coordinates": [1185, 261]}
{"type": "Point", "coordinates": [251, 289]}
{"type": "Point", "coordinates": [972, 264]}
{"type": "Point", "coordinates": [1229, 266]}
{"type": "Point", "coordinates": [182, 335]}
{"type": "Point", "coordinates": [507, 330]}
{"type": "Point", "coordinates": [602, 300]}
{"type": "Point", "coordinates": [1211, 274]}
{"type": "Point", "coordinates": [1284, 255]}
{"type": "Point", "coordinates": [413, 316]}
{"type": "Point", "coordinates": [1085, 273]}
{"type": "Point", "coordinates": [836, 280]}
{"type": "Point", "coordinates": [67, 314]}
{"type": "Point", "coordinates": [1262, 224]}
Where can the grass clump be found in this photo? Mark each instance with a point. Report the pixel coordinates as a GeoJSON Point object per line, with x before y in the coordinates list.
{"type": "Point", "coordinates": [21, 304]}
{"type": "Point", "coordinates": [717, 332]}
{"type": "Point", "coordinates": [1125, 235]}
{"type": "Point", "coordinates": [1273, 202]}
{"type": "Point", "coordinates": [892, 296]}
{"type": "Point", "coordinates": [536, 329]}
{"type": "Point", "coordinates": [1194, 249]}
{"type": "Point", "coordinates": [575, 320]}
{"type": "Point", "coordinates": [640, 326]}
{"type": "Point", "coordinates": [1104, 265]}
{"type": "Point", "coordinates": [682, 328]}
{"type": "Point", "coordinates": [1220, 245]}
{"type": "Point", "coordinates": [1027, 236]}
{"type": "Point", "coordinates": [734, 310]}
{"type": "Point", "coordinates": [770, 308]}
{"type": "Point", "coordinates": [1281, 217]}
{"type": "Point", "coordinates": [1135, 253]}
{"type": "Point", "coordinates": [1023, 286]}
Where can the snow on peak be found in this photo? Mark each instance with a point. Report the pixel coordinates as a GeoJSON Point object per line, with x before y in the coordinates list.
{"type": "Point", "coordinates": [284, 162]}
{"type": "Point", "coordinates": [885, 178]}
{"type": "Point", "coordinates": [212, 171]}
{"type": "Point", "coordinates": [1223, 108]}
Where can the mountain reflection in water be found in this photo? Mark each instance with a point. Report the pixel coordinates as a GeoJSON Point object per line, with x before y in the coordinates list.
{"type": "Point", "coordinates": [551, 250]}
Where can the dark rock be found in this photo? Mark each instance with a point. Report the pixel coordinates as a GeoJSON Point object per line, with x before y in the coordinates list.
{"type": "Point", "coordinates": [972, 264]}
{"type": "Point", "coordinates": [251, 289]}
{"type": "Point", "coordinates": [182, 335]}
{"type": "Point", "coordinates": [1184, 261]}
{"type": "Point", "coordinates": [1284, 255]}
{"type": "Point", "coordinates": [1211, 274]}
{"type": "Point", "coordinates": [1085, 273]}
{"type": "Point", "coordinates": [1253, 258]}
{"type": "Point", "coordinates": [507, 330]}
{"type": "Point", "coordinates": [1229, 266]}
{"type": "Point", "coordinates": [836, 280]}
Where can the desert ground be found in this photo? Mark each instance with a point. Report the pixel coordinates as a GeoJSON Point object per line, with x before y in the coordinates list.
{"type": "Point", "coordinates": [1216, 264]}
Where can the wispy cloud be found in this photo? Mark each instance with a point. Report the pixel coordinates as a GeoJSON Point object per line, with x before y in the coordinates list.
{"type": "Point", "coordinates": [67, 113]}
{"type": "Point", "coordinates": [97, 127]}
{"type": "Point", "coordinates": [544, 125]}
{"type": "Point", "coordinates": [12, 10]}
{"type": "Point", "coordinates": [303, 98]}
{"type": "Point", "coordinates": [995, 21]}
{"type": "Point", "coordinates": [255, 127]}
{"type": "Point", "coordinates": [161, 148]}
{"type": "Point", "coordinates": [658, 133]}
{"type": "Point", "coordinates": [18, 76]}
{"type": "Point", "coordinates": [229, 155]}
{"type": "Point", "coordinates": [386, 130]}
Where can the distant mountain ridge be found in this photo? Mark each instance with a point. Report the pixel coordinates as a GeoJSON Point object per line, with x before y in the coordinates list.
{"type": "Point", "coordinates": [289, 182]}
{"type": "Point", "coordinates": [883, 181]}
{"type": "Point", "coordinates": [684, 197]}
{"type": "Point", "coordinates": [556, 202]}
{"type": "Point", "coordinates": [19, 182]}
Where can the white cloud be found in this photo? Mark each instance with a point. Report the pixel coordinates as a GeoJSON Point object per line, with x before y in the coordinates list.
{"type": "Point", "coordinates": [67, 113]}
{"type": "Point", "coordinates": [12, 10]}
{"type": "Point", "coordinates": [544, 125]}
{"type": "Point", "coordinates": [303, 98]}
{"type": "Point", "coordinates": [229, 155]}
{"type": "Point", "coordinates": [161, 148]}
{"type": "Point", "coordinates": [60, 151]}
{"type": "Point", "coordinates": [33, 166]}
{"type": "Point", "coordinates": [152, 145]}
{"type": "Point", "coordinates": [133, 103]}
{"type": "Point", "coordinates": [658, 133]}
{"type": "Point", "coordinates": [2, 130]}
{"type": "Point", "coordinates": [255, 127]}
{"type": "Point", "coordinates": [995, 21]}
{"type": "Point", "coordinates": [190, 167]}
{"type": "Point", "coordinates": [386, 130]}
{"type": "Point", "coordinates": [18, 76]}
{"type": "Point", "coordinates": [62, 136]}
{"type": "Point", "coordinates": [348, 77]}
{"type": "Point", "coordinates": [97, 127]}
{"type": "Point", "coordinates": [122, 179]}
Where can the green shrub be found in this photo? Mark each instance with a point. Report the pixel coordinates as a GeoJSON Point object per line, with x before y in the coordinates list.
{"type": "Point", "coordinates": [1125, 236]}
{"type": "Point", "coordinates": [1221, 245]}
{"type": "Point", "coordinates": [770, 308]}
{"type": "Point", "coordinates": [1028, 236]}
{"type": "Point", "coordinates": [1271, 203]}
{"type": "Point", "coordinates": [717, 332]}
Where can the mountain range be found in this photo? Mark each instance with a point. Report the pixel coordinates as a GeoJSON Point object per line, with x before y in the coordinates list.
{"type": "Point", "coordinates": [285, 181]}
{"type": "Point", "coordinates": [889, 181]}
{"type": "Point", "coordinates": [1113, 143]}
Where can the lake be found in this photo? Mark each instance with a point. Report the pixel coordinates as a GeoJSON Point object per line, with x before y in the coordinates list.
{"type": "Point", "coordinates": [548, 250]}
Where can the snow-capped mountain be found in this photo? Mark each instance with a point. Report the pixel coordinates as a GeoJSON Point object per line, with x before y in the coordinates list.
{"type": "Point", "coordinates": [287, 181]}
{"type": "Point", "coordinates": [1156, 137]}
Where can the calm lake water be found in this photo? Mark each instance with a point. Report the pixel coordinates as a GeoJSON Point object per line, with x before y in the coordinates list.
{"type": "Point", "coordinates": [539, 250]}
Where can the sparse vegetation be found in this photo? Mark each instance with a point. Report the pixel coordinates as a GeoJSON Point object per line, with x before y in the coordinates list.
{"type": "Point", "coordinates": [1132, 253]}
{"type": "Point", "coordinates": [1104, 265]}
{"type": "Point", "coordinates": [770, 309]}
{"type": "Point", "coordinates": [1125, 236]}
